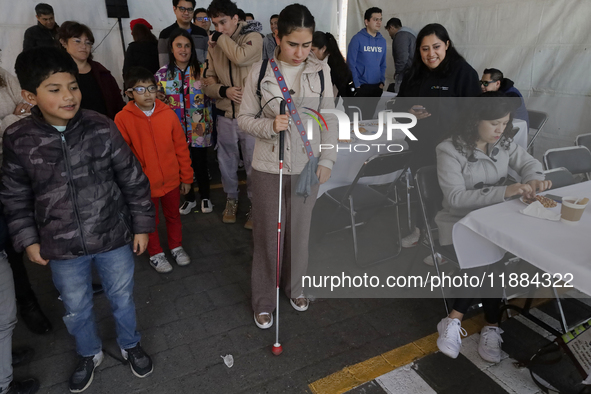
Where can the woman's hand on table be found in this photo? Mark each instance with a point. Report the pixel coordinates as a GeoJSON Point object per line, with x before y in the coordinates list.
{"type": "Point", "coordinates": [280, 123]}
{"type": "Point", "coordinates": [518, 189]}
{"type": "Point", "coordinates": [323, 173]}
{"type": "Point", "coordinates": [22, 108]}
{"type": "Point", "coordinates": [538, 186]}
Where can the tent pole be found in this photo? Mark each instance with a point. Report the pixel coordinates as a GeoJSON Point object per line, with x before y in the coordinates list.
{"type": "Point", "coordinates": [121, 32]}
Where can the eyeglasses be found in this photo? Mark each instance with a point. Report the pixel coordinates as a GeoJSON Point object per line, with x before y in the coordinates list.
{"type": "Point", "coordinates": [202, 19]}
{"type": "Point", "coordinates": [486, 83]}
{"type": "Point", "coordinates": [142, 89]}
{"type": "Point", "coordinates": [184, 10]}
{"type": "Point", "coordinates": [86, 43]}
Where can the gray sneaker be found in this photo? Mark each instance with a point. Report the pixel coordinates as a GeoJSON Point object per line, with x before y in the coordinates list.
{"type": "Point", "coordinates": [180, 256]}
{"type": "Point", "coordinates": [160, 263]}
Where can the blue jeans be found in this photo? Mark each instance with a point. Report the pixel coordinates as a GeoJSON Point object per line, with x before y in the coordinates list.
{"type": "Point", "coordinates": [73, 279]}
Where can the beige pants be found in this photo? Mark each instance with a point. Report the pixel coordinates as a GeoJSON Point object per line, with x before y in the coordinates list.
{"type": "Point", "coordinates": [295, 225]}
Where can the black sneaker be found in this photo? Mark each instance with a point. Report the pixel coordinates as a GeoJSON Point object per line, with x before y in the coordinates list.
{"type": "Point", "coordinates": [22, 356]}
{"type": "Point", "coordinates": [140, 363]}
{"type": "Point", "coordinates": [28, 386]}
{"type": "Point", "coordinates": [82, 376]}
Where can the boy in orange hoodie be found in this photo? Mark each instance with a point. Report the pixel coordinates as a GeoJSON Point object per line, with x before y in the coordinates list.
{"type": "Point", "coordinates": [155, 136]}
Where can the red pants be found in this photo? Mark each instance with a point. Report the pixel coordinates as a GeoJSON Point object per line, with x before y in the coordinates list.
{"type": "Point", "coordinates": [170, 208]}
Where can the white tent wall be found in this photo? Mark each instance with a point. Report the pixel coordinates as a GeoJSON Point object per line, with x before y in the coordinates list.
{"type": "Point", "coordinates": [544, 46]}
{"type": "Point", "coordinates": [17, 16]}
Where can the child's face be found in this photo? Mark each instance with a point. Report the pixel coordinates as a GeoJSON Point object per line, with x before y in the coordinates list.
{"type": "Point", "coordinates": [146, 100]}
{"type": "Point", "coordinates": [58, 97]}
{"type": "Point", "coordinates": [181, 49]}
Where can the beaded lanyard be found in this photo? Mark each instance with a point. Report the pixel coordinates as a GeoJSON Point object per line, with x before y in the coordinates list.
{"type": "Point", "coordinates": [291, 107]}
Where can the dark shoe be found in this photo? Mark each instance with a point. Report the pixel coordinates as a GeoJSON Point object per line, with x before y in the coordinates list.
{"type": "Point", "coordinates": [34, 318]}
{"type": "Point", "coordinates": [140, 363]}
{"type": "Point", "coordinates": [28, 386]}
{"type": "Point", "coordinates": [22, 356]}
{"type": "Point", "coordinates": [84, 373]}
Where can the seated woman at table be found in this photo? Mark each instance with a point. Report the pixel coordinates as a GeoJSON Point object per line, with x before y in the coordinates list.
{"type": "Point", "coordinates": [472, 169]}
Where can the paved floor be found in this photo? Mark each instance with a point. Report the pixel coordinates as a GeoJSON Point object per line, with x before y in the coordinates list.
{"type": "Point", "coordinates": [191, 317]}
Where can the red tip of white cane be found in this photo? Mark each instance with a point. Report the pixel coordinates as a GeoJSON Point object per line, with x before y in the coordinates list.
{"type": "Point", "coordinates": [277, 349]}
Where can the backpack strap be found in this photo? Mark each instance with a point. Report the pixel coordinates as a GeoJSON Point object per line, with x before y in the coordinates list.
{"type": "Point", "coordinates": [261, 76]}
{"type": "Point", "coordinates": [321, 75]}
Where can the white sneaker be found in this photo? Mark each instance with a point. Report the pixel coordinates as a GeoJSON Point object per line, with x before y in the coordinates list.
{"type": "Point", "coordinates": [180, 256]}
{"type": "Point", "coordinates": [412, 239]}
{"type": "Point", "coordinates": [440, 260]}
{"type": "Point", "coordinates": [206, 206]}
{"type": "Point", "coordinates": [266, 317]}
{"type": "Point", "coordinates": [187, 207]}
{"type": "Point", "coordinates": [160, 263]}
{"type": "Point", "coordinates": [300, 304]}
{"type": "Point", "coordinates": [450, 336]}
{"type": "Point", "coordinates": [489, 346]}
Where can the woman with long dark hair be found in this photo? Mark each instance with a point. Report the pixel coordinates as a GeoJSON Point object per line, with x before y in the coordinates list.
{"type": "Point", "coordinates": [260, 116]}
{"type": "Point", "coordinates": [472, 168]}
{"type": "Point", "coordinates": [143, 51]}
{"type": "Point", "coordinates": [439, 75]}
{"type": "Point", "coordinates": [180, 87]}
{"type": "Point", "coordinates": [100, 91]}
{"type": "Point", "coordinates": [325, 47]}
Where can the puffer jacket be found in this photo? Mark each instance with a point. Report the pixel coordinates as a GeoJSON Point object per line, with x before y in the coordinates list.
{"type": "Point", "coordinates": [230, 61]}
{"type": "Point", "coordinates": [77, 192]}
{"type": "Point", "coordinates": [266, 150]}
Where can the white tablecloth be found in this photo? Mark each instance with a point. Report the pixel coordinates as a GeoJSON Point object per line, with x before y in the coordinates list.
{"type": "Point", "coordinates": [483, 236]}
{"type": "Point", "coordinates": [348, 163]}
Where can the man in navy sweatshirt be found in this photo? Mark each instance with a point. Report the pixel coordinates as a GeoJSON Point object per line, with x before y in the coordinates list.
{"type": "Point", "coordinates": [493, 80]}
{"type": "Point", "coordinates": [366, 57]}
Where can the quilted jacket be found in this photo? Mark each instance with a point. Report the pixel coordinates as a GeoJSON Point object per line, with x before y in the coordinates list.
{"type": "Point", "coordinates": [77, 192]}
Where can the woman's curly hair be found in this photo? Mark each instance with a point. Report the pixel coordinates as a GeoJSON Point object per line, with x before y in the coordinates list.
{"type": "Point", "coordinates": [487, 106]}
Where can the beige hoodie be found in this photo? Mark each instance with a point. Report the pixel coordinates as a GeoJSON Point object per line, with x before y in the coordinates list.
{"type": "Point", "coordinates": [230, 61]}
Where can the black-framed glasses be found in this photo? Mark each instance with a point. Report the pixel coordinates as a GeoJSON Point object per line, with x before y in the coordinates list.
{"type": "Point", "coordinates": [486, 83]}
{"type": "Point", "coordinates": [142, 89]}
{"type": "Point", "coordinates": [202, 19]}
{"type": "Point", "coordinates": [185, 10]}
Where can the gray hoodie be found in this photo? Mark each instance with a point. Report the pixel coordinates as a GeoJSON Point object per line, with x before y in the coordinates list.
{"type": "Point", "coordinates": [403, 49]}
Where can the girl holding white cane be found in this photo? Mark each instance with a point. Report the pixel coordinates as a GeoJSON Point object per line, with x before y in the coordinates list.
{"type": "Point", "coordinates": [298, 77]}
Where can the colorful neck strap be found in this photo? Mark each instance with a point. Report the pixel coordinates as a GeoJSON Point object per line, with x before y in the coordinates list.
{"type": "Point", "coordinates": [292, 108]}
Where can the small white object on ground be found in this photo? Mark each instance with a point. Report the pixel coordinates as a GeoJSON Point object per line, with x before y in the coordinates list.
{"type": "Point", "coordinates": [228, 360]}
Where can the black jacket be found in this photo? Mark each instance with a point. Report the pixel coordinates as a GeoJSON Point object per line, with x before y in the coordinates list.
{"type": "Point", "coordinates": [75, 193]}
{"type": "Point", "coordinates": [40, 36]}
{"type": "Point", "coordinates": [438, 93]}
{"type": "Point", "coordinates": [142, 53]}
